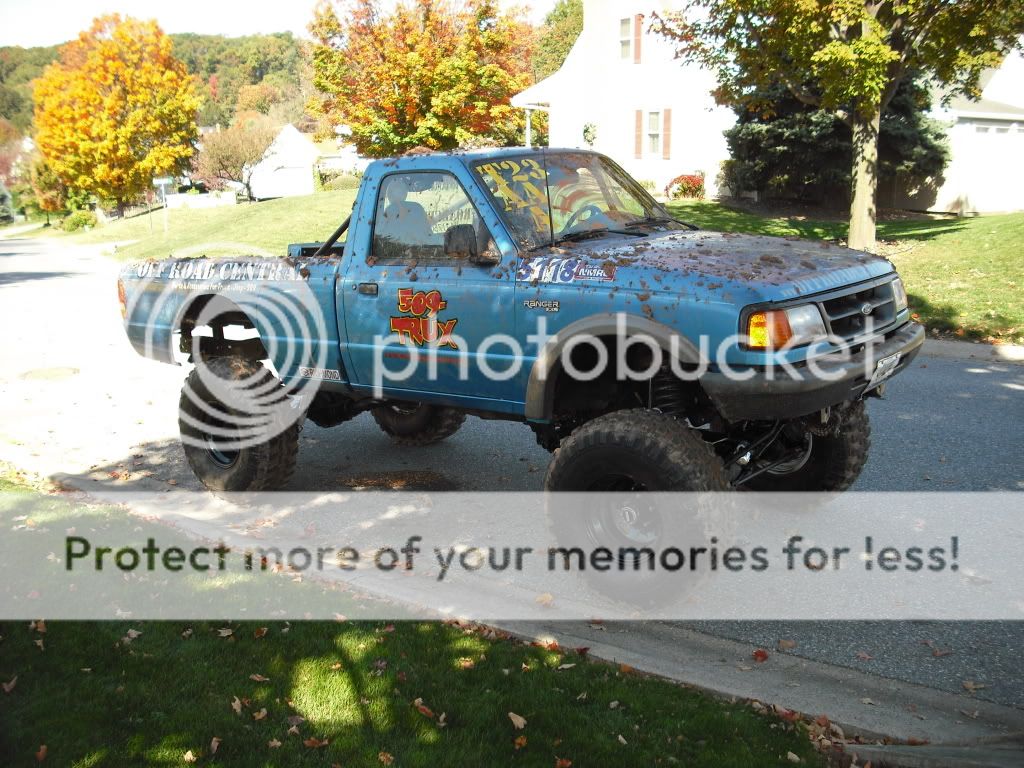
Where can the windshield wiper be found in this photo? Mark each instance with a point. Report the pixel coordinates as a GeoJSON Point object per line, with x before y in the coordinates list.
{"type": "Point", "coordinates": [660, 220]}
{"type": "Point", "coordinates": [586, 234]}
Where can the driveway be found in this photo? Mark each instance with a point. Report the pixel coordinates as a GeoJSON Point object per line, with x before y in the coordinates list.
{"type": "Point", "coordinates": [77, 404]}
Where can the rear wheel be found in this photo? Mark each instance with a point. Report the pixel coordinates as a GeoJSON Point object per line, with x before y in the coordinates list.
{"type": "Point", "coordinates": [830, 461]}
{"type": "Point", "coordinates": [230, 444]}
{"type": "Point", "coordinates": [418, 423]}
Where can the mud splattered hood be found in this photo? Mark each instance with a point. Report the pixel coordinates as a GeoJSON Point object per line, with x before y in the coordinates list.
{"type": "Point", "coordinates": [755, 267]}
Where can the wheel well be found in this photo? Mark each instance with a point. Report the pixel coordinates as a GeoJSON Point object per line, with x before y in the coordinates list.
{"type": "Point", "coordinates": [204, 328]}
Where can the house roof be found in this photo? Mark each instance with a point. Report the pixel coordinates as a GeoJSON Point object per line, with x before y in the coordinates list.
{"type": "Point", "coordinates": [987, 108]}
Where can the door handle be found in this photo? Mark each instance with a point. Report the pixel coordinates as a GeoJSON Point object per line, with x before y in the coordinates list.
{"type": "Point", "coordinates": [368, 289]}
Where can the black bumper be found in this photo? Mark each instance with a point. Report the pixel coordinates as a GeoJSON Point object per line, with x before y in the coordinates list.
{"type": "Point", "coordinates": [782, 396]}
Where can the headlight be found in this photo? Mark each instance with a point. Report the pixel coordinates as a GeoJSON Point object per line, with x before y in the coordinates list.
{"type": "Point", "coordinates": [900, 294]}
{"type": "Point", "coordinates": [775, 328]}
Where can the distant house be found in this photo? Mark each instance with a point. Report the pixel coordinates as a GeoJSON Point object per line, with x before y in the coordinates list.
{"type": "Point", "coordinates": [286, 169]}
{"type": "Point", "coordinates": [986, 142]}
{"type": "Point", "coordinates": [621, 91]}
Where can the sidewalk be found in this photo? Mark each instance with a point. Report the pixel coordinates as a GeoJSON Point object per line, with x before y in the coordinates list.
{"type": "Point", "coordinates": [952, 730]}
{"type": "Point", "coordinates": [966, 350]}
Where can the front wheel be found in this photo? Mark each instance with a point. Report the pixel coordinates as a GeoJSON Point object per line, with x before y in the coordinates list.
{"type": "Point", "coordinates": [418, 423]}
{"type": "Point", "coordinates": [827, 462]}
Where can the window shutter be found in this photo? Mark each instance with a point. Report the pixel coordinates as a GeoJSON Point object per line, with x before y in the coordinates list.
{"type": "Point", "coordinates": [638, 26]}
{"type": "Point", "coordinates": [666, 137]}
{"type": "Point", "coordinates": [639, 149]}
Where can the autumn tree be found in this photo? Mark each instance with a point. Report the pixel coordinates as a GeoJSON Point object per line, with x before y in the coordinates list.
{"type": "Point", "coordinates": [556, 37]}
{"type": "Point", "coordinates": [48, 191]}
{"type": "Point", "coordinates": [232, 154]}
{"type": "Point", "coordinates": [116, 110]}
{"type": "Point", "coordinates": [847, 57]}
{"type": "Point", "coordinates": [425, 74]}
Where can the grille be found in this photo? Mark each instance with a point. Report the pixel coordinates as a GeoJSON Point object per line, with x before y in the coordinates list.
{"type": "Point", "coordinates": [862, 313]}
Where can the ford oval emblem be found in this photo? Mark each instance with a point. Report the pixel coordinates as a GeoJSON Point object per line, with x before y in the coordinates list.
{"type": "Point", "coordinates": [865, 309]}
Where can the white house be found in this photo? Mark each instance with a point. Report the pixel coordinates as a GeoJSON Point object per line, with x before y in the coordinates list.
{"type": "Point", "coordinates": [287, 166]}
{"type": "Point", "coordinates": [622, 92]}
{"type": "Point", "coordinates": [986, 142]}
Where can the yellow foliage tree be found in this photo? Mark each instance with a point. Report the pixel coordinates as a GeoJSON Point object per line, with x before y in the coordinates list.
{"type": "Point", "coordinates": [116, 110]}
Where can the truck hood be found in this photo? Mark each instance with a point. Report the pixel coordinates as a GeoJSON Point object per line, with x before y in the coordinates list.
{"type": "Point", "coordinates": [754, 267]}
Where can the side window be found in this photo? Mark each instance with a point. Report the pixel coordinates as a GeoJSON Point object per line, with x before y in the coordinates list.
{"type": "Point", "coordinates": [425, 217]}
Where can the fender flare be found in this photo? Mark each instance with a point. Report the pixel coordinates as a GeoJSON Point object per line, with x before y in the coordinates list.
{"type": "Point", "coordinates": [540, 389]}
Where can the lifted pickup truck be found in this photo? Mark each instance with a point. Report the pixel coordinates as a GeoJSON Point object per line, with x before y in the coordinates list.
{"type": "Point", "coordinates": [540, 286]}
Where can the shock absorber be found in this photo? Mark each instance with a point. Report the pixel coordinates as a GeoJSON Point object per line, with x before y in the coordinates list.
{"type": "Point", "coordinates": [668, 394]}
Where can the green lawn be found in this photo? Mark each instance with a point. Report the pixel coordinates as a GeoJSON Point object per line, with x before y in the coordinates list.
{"type": "Point", "coordinates": [269, 226]}
{"type": "Point", "coordinates": [965, 277]}
{"type": "Point", "coordinates": [357, 693]}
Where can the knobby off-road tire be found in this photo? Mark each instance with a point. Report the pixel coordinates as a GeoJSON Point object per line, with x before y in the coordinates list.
{"type": "Point", "coordinates": [652, 451]}
{"type": "Point", "coordinates": [625, 455]}
{"type": "Point", "coordinates": [265, 466]}
{"type": "Point", "coordinates": [418, 425]}
{"type": "Point", "coordinates": [835, 460]}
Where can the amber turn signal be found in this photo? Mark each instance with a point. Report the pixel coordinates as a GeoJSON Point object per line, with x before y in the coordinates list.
{"type": "Point", "coordinates": [768, 329]}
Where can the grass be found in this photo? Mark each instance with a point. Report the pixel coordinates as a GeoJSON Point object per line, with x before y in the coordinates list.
{"type": "Point", "coordinates": [366, 692]}
{"type": "Point", "coordinates": [965, 277]}
{"type": "Point", "coordinates": [269, 226]}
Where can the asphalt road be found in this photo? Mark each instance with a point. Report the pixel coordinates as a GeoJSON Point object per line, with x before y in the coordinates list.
{"type": "Point", "coordinates": [76, 402]}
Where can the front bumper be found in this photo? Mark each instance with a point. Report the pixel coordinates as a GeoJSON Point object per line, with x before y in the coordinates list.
{"type": "Point", "coordinates": [780, 395]}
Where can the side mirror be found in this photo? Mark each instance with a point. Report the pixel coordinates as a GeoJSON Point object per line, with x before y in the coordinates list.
{"type": "Point", "coordinates": [460, 242]}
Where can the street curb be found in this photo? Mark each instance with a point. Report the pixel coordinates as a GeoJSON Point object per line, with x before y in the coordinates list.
{"type": "Point", "coordinates": [898, 711]}
{"type": "Point", "coordinates": [965, 350]}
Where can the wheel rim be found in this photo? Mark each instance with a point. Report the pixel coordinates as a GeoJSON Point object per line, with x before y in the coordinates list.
{"type": "Point", "coordinates": [224, 458]}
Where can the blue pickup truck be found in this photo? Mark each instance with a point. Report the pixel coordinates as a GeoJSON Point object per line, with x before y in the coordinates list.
{"type": "Point", "coordinates": [540, 286]}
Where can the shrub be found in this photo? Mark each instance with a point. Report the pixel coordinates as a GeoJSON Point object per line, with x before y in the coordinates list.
{"type": "Point", "coordinates": [78, 220]}
{"type": "Point", "coordinates": [342, 181]}
{"type": "Point", "coordinates": [687, 185]}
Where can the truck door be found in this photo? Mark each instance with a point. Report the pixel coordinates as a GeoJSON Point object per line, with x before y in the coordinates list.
{"type": "Point", "coordinates": [417, 308]}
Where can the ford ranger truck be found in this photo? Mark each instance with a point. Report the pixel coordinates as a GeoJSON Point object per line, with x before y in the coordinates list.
{"type": "Point", "coordinates": [540, 286]}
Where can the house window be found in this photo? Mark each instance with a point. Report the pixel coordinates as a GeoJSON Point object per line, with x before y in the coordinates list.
{"type": "Point", "coordinates": [626, 39]}
{"type": "Point", "coordinates": [654, 133]}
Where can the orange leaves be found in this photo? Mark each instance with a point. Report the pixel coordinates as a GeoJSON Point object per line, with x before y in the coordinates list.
{"type": "Point", "coordinates": [423, 709]}
{"type": "Point", "coordinates": [520, 742]}
{"type": "Point", "coordinates": [314, 743]}
{"type": "Point", "coordinates": [112, 141]}
{"type": "Point", "coordinates": [385, 758]}
{"type": "Point", "coordinates": [760, 655]}
{"type": "Point", "coordinates": [260, 633]}
{"type": "Point", "coordinates": [261, 715]}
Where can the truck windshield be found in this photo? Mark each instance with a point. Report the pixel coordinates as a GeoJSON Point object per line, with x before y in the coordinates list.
{"type": "Point", "coordinates": [554, 196]}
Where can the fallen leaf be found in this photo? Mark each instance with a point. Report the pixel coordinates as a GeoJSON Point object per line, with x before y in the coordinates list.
{"type": "Point", "coordinates": [566, 666]}
{"type": "Point", "coordinates": [187, 633]}
{"type": "Point", "coordinates": [518, 721]}
{"type": "Point", "coordinates": [970, 686]}
{"type": "Point", "coordinates": [131, 634]}
{"type": "Point", "coordinates": [561, 762]}
{"type": "Point", "coordinates": [466, 663]}
{"type": "Point", "coordinates": [189, 757]}
{"type": "Point", "coordinates": [787, 645]}
{"type": "Point", "coordinates": [273, 743]}
{"type": "Point", "coordinates": [613, 705]}
{"type": "Point", "coordinates": [293, 731]}
{"type": "Point", "coordinates": [442, 721]}
{"type": "Point", "coordinates": [39, 642]}
{"type": "Point", "coordinates": [236, 704]}
{"type": "Point", "coordinates": [41, 753]}
{"type": "Point", "coordinates": [225, 632]}
{"type": "Point", "coordinates": [259, 678]}
{"type": "Point", "coordinates": [582, 696]}
{"type": "Point", "coordinates": [9, 686]}
{"type": "Point", "coordinates": [295, 720]}
{"type": "Point", "coordinates": [385, 758]}
{"type": "Point", "coordinates": [260, 715]}
{"type": "Point", "coordinates": [973, 715]}
{"type": "Point", "coordinates": [520, 742]}
{"type": "Point", "coordinates": [938, 653]}
{"type": "Point", "coordinates": [545, 599]}
{"type": "Point", "coordinates": [41, 627]}
{"type": "Point", "coordinates": [914, 742]}
{"type": "Point", "coordinates": [261, 632]}
{"type": "Point", "coordinates": [862, 656]}
{"type": "Point", "coordinates": [760, 655]}
{"type": "Point", "coordinates": [582, 650]}
{"type": "Point", "coordinates": [866, 700]}
{"type": "Point", "coordinates": [823, 721]}
{"type": "Point", "coordinates": [389, 628]}
{"type": "Point", "coordinates": [336, 666]}
{"type": "Point", "coordinates": [423, 708]}
{"type": "Point", "coordinates": [214, 745]}
{"type": "Point", "coordinates": [622, 740]}
{"type": "Point", "coordinates": [793, 757]}
{"type": "Point", "coordinates": [313, 743]}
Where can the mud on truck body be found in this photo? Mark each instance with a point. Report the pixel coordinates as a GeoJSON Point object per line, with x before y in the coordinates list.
{"type": "Point", "coordinates": [540, 286]}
